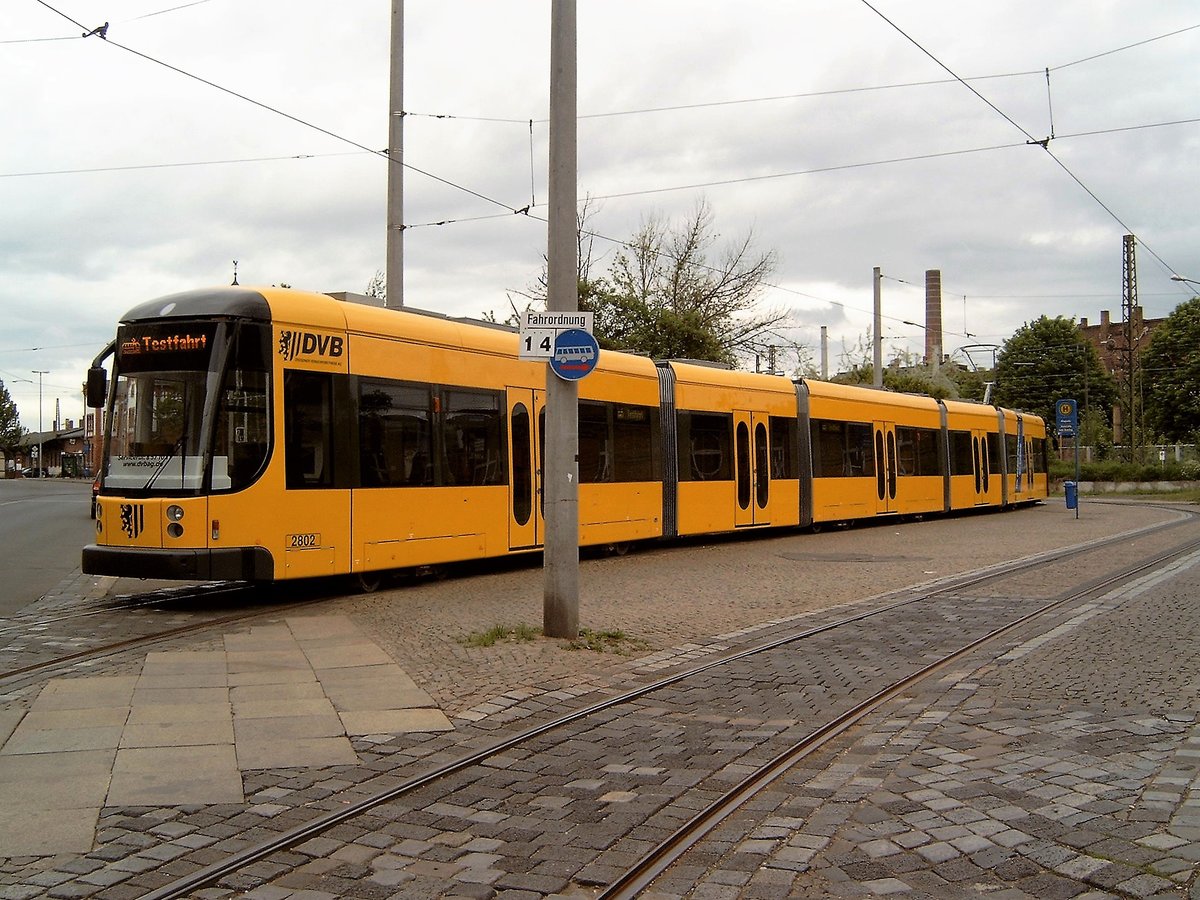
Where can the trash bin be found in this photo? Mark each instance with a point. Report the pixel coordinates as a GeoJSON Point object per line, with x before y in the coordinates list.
{"type": "Point", "coordinates": [1072, 490]}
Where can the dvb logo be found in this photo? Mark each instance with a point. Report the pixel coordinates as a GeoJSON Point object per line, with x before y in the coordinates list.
{"type": "Point", "coordinates": [304, 343]}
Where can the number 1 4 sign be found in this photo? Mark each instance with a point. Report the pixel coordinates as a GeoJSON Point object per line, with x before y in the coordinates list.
{"type": "Point", "coordinates": [540, 329]}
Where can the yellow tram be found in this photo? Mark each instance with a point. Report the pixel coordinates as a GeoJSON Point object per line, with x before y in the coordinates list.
{"type": "Point", "coordinates": [270, 434]}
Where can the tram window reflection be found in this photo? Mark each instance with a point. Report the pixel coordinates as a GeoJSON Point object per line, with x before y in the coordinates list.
{"type": "Point", "coordinates": [472, 438]}
{"type": "Point", "coordinates": [308, 429]}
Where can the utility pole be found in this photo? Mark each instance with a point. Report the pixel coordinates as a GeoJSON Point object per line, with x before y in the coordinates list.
{"type": "Point", "coordinates": [394, 277]}
{"type": "Point", "coordinates": [40, 466]}
{"type": "Point", "coordinates": [878, 374]}
{"type": "Point", "coordinates": [824, 352]}
{"type": "Point", "coordinates": [560, 605]}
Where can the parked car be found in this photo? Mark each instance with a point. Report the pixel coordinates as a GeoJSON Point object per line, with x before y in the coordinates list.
{"type": "Point", "coordinates": [35, 473]}
{"type": "Point", "coordinates": [95, 494]}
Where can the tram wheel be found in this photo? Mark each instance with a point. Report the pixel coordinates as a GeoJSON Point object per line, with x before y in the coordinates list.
{"type": "Point", "coordinates": [620, 548]}
{"type": "Point", "coordinates": [368, 582]}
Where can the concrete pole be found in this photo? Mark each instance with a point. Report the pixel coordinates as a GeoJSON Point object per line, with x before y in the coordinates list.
{"type": "Point", "coordinates": [394, 276]}
{"type": "Point", "coordinates": [41, 464]}
{"type": "Point", "coordinates": [560, 605]}
{"type": "Point", "coordinates": [878, 341]}
{"type": "Point", "coordinates": [824, 352]}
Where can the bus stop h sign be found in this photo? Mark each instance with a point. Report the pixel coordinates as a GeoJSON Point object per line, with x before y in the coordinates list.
{"type": "Point", "coordinates": [575, 354]}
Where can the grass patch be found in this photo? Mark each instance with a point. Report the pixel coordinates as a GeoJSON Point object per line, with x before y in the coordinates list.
{"type": "Point", "coordinates": [512, 634]}
{"type": "Point", "coordinates": [609, 641]}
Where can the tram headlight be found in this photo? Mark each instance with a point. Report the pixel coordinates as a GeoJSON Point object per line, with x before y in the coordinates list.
{"type": "Point", "coordinates": [175, 530]}
{"type": "Point", "coordinates": [174, 513]}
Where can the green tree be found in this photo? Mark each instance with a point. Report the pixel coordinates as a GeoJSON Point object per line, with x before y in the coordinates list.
{"type": "Point", "coordinates": [11, 431]}
{"type": "Point", "coordinates": [1170, 375]}
{"type": "Point", "coordinates": [1046, 360]}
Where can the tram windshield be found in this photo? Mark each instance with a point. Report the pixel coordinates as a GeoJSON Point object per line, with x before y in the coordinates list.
{"type": "Point", "coordinates": [172, 413]}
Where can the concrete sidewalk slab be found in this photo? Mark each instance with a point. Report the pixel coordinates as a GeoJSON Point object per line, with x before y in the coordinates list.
{"type": "Point", "coordinates": [174, 776]}
{"type": "Point", "coordinates": [296, 753]}
{"type": "Point", "coordinates": [288, 728]}
{"type": "Point", "coordinates": [39, 832]}
{"type": "Point", "coordinates": [357, 699]}
{"type": "Point", "coordinates": [343, 656]}
{"type": "Point", "coordinates": [288, 690]}
{"type": "Point", "coordinates": [86, 693]}
{"type": "Point", "coordinates": [27, 739]}
{"type": "Point", "coordinates": [155, 713]}
{"type": "Point", "coordinates": [183, 731]}
{"type": "Point", "coordinates": [178, 734]}
{"type": "Point", "coordinates": [276, 709]}
{"type": "Point", "coordinates": [179, 662]}
{"type": "Point", "coordinates": [395, 721]}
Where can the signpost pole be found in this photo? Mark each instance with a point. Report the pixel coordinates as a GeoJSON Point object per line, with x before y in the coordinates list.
{"type": "Point", "coordinates": [1067, 425]}
{"type": "Point", "coordinates": [560, 605]}
{"type": "Point", "coordinates": [1077, 472]}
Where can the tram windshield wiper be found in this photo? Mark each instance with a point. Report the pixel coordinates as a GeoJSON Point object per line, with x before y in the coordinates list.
{"type": "Point", "coordinates": [162, 466]}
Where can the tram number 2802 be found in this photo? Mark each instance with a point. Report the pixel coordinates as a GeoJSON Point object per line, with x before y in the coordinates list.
{"type": "Point", "coordinates": [303, 541]}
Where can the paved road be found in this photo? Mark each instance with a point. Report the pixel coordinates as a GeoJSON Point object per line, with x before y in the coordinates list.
{"type": "Point", "coordinates": [43, 527]}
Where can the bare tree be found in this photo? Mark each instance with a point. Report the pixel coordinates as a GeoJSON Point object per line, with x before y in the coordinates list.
{"type": "Point", "coordinates": [670, 292]}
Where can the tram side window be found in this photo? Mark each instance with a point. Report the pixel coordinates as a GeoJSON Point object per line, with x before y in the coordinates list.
{"type": "Point", "coordinates": [842, 449]}
{"type": "Point", "coordinates": [917, 451]}
{"type": "Point", "coordinates": [595, 443]}
{"type": "Point", "coordinates": [995, 456]}
{"type": "Point", "coordinates": [394, 435]}
{"type": "Point", "coordinates": [1038, 461]}
{"type": "Point", "coordinates": [1010, 443]}
{"type": "Point", "coordinates": [473, 437]}
{"type": "Point", "coordinates": [962, 461]}
{"type": "Point", "coordinates": [784, 432]}
{"type": "Point", "coordinates": [635, 443]}
{"type": "Point", "coordinates": [705, 446]}
{"type": "Point", "coordinates": [308, 429]}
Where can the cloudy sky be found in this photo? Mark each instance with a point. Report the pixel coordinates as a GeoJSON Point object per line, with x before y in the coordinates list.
{"type": "Point", "coordinates": [839, 141]}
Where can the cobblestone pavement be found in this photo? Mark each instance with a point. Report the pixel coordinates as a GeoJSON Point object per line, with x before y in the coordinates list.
{"type": "Point", "coordinates": [1070, 767]}
{"type": "Point", "coordinates": [673, 606]}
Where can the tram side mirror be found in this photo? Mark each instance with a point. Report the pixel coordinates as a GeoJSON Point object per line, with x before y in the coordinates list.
{"type": "Point", "coordinates": [97, 387]}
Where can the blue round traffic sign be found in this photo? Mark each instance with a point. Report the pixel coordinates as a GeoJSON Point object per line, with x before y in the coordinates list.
{"type": "Point", "coordinates": [575, 354]}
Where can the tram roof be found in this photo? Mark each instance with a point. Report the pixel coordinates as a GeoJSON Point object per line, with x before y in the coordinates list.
{"type": "Point", "coordinates": [859, 393]}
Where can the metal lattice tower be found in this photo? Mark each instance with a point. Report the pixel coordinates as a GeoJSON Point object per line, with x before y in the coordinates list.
{"type": "Point", "coordinates": [1129, 302]}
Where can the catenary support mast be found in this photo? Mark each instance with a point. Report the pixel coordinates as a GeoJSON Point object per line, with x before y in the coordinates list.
{"type": "Point", "coordinates": [394, 277]}
{"type": "Point", "coordinates": [560, 607]}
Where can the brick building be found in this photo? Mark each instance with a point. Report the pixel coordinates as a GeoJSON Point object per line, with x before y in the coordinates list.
{"type": "Point", "coordinates": [1108, 338]}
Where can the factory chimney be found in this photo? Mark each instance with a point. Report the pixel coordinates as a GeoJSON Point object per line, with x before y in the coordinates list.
{"type": "Point", "coordinates": [933, 317]}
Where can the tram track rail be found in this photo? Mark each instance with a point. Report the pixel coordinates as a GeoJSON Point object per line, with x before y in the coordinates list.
{"type": "Point", "coordinates": [231, 592]}
{"type": "Point", "coordinates": [214, 874]}
{"type": "Point", "coordinates": [209, 594]}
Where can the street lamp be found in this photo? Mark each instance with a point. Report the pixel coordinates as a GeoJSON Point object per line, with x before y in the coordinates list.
{"type": "Point", "coordinates": [40, 462]}
{"type": "Point", "coordinates": [1185, 280]}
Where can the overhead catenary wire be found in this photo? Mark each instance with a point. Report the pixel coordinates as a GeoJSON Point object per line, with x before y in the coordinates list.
{"type": "Point", "coordinates": [828, 92]}
{"type": "Point", "coordinates": [510, 210]}
{"type": "Point", "coordinates": [1043, 143]}
{"type": "Point", "coordinates": [102, 33]}
{"type": "Point", "coordinates": [306, 156]}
